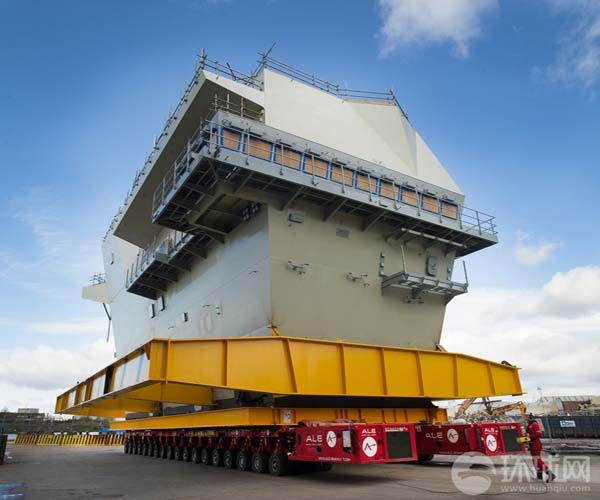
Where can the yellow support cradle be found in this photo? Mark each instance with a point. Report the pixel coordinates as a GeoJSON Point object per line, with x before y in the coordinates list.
{"type": "Point", "coordinates": [186, 370]}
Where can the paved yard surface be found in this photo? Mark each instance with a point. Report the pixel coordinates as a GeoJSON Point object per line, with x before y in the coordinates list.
{"type": "Point", "coordinates": [60, 473]}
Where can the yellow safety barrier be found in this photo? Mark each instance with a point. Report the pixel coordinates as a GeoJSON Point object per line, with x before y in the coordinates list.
{"type": "Point", "coordinates": [70, 439]}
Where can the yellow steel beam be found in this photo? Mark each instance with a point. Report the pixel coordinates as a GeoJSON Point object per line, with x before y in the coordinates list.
{"type": "Point", "coordinates": [286, 365]}
{"type": "Point", "coordinates": [248, 417]}
{"type": "Point", "coordinates": [185, 370]}
{"type": "Point", "coordinates": [143, 397]}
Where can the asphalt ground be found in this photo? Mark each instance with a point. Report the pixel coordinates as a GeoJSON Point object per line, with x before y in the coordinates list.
{"type": "Point", "coordinates": [60, 473]}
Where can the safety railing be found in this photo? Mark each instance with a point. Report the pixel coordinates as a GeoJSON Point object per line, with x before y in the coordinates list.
{"type": "Point", "coordinates": [315, 81]}
{"type": "Point", "coordinates": [214, 135]}
{"type": "Point", "coordinates": [227, 70]}
{"type": "Point", "coordinates": [98, 278]}
{"type": "Point", "coordinates": [251, 80]}
{"type": "Point", "coordinates": [241, 108]}
{"type": "Point", "coordinates": [332, 88]}
{"type": "Point", "coordinates": [145, 256]}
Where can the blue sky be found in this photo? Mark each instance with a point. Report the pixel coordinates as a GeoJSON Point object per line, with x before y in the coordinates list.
{"type": "Point", "coordinates": [505, 93]}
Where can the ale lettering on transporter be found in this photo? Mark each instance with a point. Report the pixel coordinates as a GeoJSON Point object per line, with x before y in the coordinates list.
{"type": "Point", "coordinates": [314, 439]}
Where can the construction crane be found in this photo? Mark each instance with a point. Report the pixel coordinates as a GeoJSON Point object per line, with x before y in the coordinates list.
{"type": "Point", "coordinates": [462, 409]}
{"type": "Point", "coordinates": [501, 410]}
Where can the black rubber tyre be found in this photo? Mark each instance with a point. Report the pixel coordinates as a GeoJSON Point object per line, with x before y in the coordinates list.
{"type": "Point", "coordinates": [137, 449]}
{"type": "Point", "coordinates": [242, 460]}
{"type": "Point", "coordinates": [278, 464]}
{"type": "Point", "coordinates": [195, 455]}
{"type": "Point", "coordinates": [260, 462]}
{"type": "Point", "coordinates": [177, 453]}
{"type": "Point", "coordinates": [424, 458]}
{"type": "Point", "coordinates": [205, 456]}
{"type": "Point", "coordinates": [145, 449]}
{"type": "Point", "coordinates": [186, 454]}
{"type": "Point", "coordinates": [126, 448]}
{"type": "Point", "coordinates": [216, 458]}
{"type": "Point", "coordinates": [170, 451]}
{"type": "Point", "coordinates": [229, 459]}
{"type": "Point", "coordinates": [324, 466]}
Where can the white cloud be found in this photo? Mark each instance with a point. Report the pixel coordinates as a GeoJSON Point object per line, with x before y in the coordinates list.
{"type": "Point", "coordinates": [89, 326]}
{"type": "Point", "coordinates": [573, 293]}
{"type": "Point", "coordinates": [532, 254]}
{"type": "Point", "coordinates": [577, 61]}
{"type": "Point", "coordinates": [33, 377]}
{"type": "Point", "coordinates": [432, 21]}
{"type": "Point", "coordinates": [551, 332]}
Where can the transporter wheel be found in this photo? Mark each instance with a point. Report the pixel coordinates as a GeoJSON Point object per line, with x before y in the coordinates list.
{"type": "Point", "coordinates": [145, 449]}
{"type": "Point", "coordinates": [195, 455]}
{"type": "Point", "coordinates": [136, 450]}
{"type": "Point", "coordinates": [229, 459]}
{"type": "Point", "coordinates": [170, 452]}
{"type": "Point", "coordinates": [162, 451]}
{"type": "Point", "coordinates": [126, 447]}
{"type": "Point", "coordinates": [177, 453]}
{"type": "Point", "coordinates": [278, 464]}
{"type": "Point", "coordinates": [186, 454]}
{"type": "Point", "coordinates": [243, 460]}
{"type": "Point", "coordinates": [260, 462]}
{"type": "Point", "coordinates": [325, 466]}
{"type": "Point", "coordinates": [205, 455]}
{"type": "Point", "coordinates": [424, 458]}
{"type": "Point", "coordinates": [216, 457]}
{"type": "Point", "coordinates": [155, 450]}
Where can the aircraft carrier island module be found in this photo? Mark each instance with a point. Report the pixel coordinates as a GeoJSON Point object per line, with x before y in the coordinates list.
{"type": "Point", "coordinates": [277, 281]}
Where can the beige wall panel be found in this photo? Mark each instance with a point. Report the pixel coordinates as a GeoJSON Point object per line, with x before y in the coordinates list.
{"type": "Point", "coordinates": [324, 303]}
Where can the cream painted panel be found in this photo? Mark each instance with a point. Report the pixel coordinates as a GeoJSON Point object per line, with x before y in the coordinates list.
{"type": "Point", "coordinates": [117, 255]}
{"type": "Point", "coordinates": [406, 143]}
{"type": "Point", "coordinates": [245, 91]}
{"type": "Point", "coordinates": [324, 303]}
{"type": "Point", "coordinates": [96, 293]}
{"type": "Point", "coordinates": [430, 169]}
{"type": "Point", "coordinates": [313, 114]}
{"type": "Point", "coordinates": [392, 128]}
{"type": "Point", "coordinates": [373, 132]}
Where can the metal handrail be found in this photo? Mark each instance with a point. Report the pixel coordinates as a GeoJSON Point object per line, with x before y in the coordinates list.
{"type": "Point", "coordinates": [252, 81]}
{"type": "Point", "coordinates": [332, 88]}
{"type": "Point", "coordinates": [98, 278]}
{"type": "Point", "coordinates": [146, 255]}
{"type": "Point", "coordinates": [469, 219]}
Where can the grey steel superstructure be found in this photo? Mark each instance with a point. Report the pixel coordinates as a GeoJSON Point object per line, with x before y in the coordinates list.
{"type": "Point", "coordinates": [274, 203]}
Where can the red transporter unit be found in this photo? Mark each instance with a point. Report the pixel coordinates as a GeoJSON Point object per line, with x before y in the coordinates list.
{"type": "Point", "coordinates": [489, 438]}
{"type": "Point", "coordinates": [281, 449]}
{"type": "Point", "coordinates": [355, 443]}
